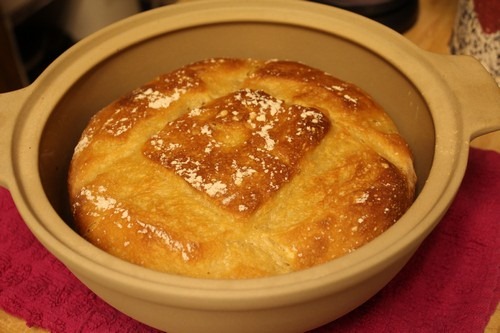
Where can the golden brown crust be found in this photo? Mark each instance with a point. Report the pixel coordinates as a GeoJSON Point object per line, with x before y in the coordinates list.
{"type": "Point", "coordinates": [239, 168]}
{"type": "Point", "coordinates": [240, 148]}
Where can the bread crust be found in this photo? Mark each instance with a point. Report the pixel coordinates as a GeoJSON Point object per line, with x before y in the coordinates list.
{"type": "Point", "coordinates": [239, 168]}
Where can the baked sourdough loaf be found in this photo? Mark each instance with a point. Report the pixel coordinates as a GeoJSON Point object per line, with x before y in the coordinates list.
{"type": "Point", "coordinates": [239, 168]}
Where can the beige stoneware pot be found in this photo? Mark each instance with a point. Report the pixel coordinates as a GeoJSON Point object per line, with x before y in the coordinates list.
{"type": "Point", "coordinates": [438, 102]}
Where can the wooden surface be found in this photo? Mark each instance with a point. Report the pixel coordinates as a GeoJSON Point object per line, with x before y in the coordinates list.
{"type": "Point", "coordinates": [431, 32]}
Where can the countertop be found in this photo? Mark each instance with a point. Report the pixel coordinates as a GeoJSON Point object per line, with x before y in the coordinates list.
{"type": "Point", "coordinates": [431, 32]}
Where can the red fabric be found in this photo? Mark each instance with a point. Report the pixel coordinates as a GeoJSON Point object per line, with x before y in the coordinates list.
{"type": "Point", "coordinates": [450, 285]}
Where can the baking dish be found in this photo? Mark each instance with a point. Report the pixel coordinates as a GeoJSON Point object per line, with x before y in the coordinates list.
{"type": "Point", "coordinates": [438, 102]}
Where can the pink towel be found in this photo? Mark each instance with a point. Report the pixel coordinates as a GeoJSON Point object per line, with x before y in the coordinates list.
{"type": "Point", "coordinates": [450, 285]}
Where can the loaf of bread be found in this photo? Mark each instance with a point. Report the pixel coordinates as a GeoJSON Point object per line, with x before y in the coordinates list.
{"type": "Point", "coordinates": [239, 168]}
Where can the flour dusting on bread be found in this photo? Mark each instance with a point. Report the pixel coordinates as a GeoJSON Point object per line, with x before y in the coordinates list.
{"type": "Point", "coordinates": [239, 168]}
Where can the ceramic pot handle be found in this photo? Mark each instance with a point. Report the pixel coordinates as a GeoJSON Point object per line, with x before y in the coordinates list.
{"type": "Point", "coordinates": [10, 106]}
{"type": "Point", "coordinates": [477, 92]}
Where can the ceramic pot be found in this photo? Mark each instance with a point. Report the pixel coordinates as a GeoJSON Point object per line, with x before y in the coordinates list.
{"type": "Point", "coordinates": [438, 102]}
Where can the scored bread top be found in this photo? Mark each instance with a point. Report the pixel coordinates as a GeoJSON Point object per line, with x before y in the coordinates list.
{"type": "Point", "coordinates": [240, 148]}
{"type": "Point", "coordinates": [239, 168]}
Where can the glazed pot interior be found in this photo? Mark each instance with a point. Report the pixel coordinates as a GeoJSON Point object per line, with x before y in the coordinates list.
{"type": "Point", "coordinates": [142, 60]}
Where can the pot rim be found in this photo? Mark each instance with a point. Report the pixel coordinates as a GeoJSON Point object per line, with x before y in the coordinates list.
{"type": "Point", "coordinates": [89, 263]}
